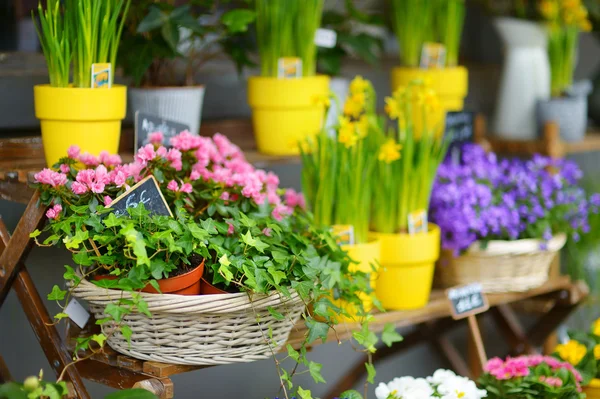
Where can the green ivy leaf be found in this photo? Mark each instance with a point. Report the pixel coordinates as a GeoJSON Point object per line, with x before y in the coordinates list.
{"type": "Point", "coordinates": [35, 233]}
{"type": "Point", "coordinates": [389, 335]}
{"type": "Point", "coordinates": [278, 316]}
{"type": "Point", "coordinates": [351, 394]}
{"type": "Point", "coordinates": [316, 329]}
{"type": "Point", "coordinates": [237, 20]}
{"type": "Point", "coordinates": [57, 294]}
{"type": "Point", "coordinates": [115, 311]}
{"type": "Point", "coordinates": [370, 373]}
{"type": "Point", "coordinates": [60, 316]}
{"type": "Point", "coordinates": [248, 240]}
{"type": "Point", "coordinates": [132, 394]}
{"type": "Point", "coordinates": [112, 221]}
{"type": "Point", "coordinates": [315, 371]}
{"type": "Point", "coordinates": [293, 353]}
{"type": "Point", "coordinates": [75, 241]}
{"type": "Point", "coordinates": [198, 232]}
{"type": "Point", "coordinates": [70, 275]}
{"type": "Point", "coordinates": [99, 339]}
{"type": "Point", "coordinates": [142, 307]}
{"type": "Point", "coordinates": [127, 333]}
{"type": "Point", "coordinates": [277, 275]}
{"type": "Point", "coordinates": [304, 394]}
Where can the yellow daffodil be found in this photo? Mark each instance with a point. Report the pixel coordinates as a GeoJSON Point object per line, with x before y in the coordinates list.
{"type": "Point", "coordinates": [596, 328]}
{"type": "Point", "coordinates": [321, 100]}
{"type": "Point", "coordinates": [362, 126]}
{"type": "Point", "coordinates": [549, 9]}
{"type": "Point", "coordinates": [390, 151]}
{"type": "Point", "coordinates": [572, 352]}
{"type": "Point", "coordinates": [358, 85]}
{"type": "Point", "coordinates": [354, 105]}
{"type": "Point", "coordinates": [347, 132]}
{"type": "Point", "coordinates": [392, 108]}
{"type": "Point", "coordinates": [597, 352]}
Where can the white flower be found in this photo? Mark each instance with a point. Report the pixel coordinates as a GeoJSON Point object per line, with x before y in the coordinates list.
{"type": "Point", "coordinates": [382, 391]}
{"type": "Point", "coordinates": [440, 376]}
{"type": "Point", "coordinates": [460, 388]}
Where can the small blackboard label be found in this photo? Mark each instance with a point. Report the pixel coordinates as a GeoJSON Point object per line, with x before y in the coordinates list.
{"type": "Point", "coordinates": [459, 130]}
{"type": "Point", "coordinates": [147, 123]}
{"type": "Point", "coordinates": [145, 192]}
{"type": "Point", "coordinates": [467, 300]}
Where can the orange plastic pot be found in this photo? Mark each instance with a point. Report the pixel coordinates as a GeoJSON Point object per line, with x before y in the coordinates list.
{"type": "Point", "coordinates": [184, 284]}
{"type": "Point", "coordinates": [207, 288]}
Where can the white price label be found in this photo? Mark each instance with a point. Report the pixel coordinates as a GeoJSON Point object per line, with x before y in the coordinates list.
{"type": "Point", "coordinates": [77, 313]}
{"type": "Point", "coordinates": [325, 38]}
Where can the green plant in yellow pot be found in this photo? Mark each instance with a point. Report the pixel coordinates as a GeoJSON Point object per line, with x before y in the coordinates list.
{"type": "Point", "coordinates": [425, 24]}
{"type": "Point", "coordinates": [285, 98]}
{"type": "Point", "coordinates": [80, 37]}
{"type": "Point", "coordinates": [408, 160]}
{"type": "Point", "coordinates": [337, 173]}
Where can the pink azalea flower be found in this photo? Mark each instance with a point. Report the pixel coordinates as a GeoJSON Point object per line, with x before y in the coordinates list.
{"type": "Point", "coordinates": [280, 211]}
{"type": "Point", "coordinates": [145, 154]}
{"type": "Point", "coordinates": [89, 159]}
{"type": "Point", "coordinates": [161, 151]}
{"type": "Point", "coordinates": [109, 159]}
{"type": "Point", "coordinates": [97, 188]}
{"type": "Point", "coordinates": [174, 156]}
{"type": "Point", "coordinates": [54, 212]}
{"type": "Point", "coordinates": [86, 176]}
{"type": "Point", "coordinates": [73, 151]}
{"type": "Point", "coordinates": [64, 168]}
{"type": "Point", "coordinates": [156, 138]}
{"type": "Point", "coordinates": [230, 229]}
{"type": "Point", "coordinates": [294, 199]}
{"type": "Point", "coordinates": [107, 200]}
{"type": "Point", "coordinates": [272, 180]}
{"type": "Point", "coordinates": [273, 198]}
{"type": "Point", "coordinates": [186, 188]}
{"type": "Point", "coordinates": [79, 188]}
{"type": "Point", "coordinates": [118, 177]}
{"type": "Point", "coordinates": [185, 141]}
{"type": "Point", "coordinates": [195, 175]}
{"type": "Point", "coordinates": [225, 196]}
{"type": "Point", "coordinates": [267, 231]}
{"type": "Point", "coordinates": [225, 147]}
{"type": "Point", "coordinates": [173, 186]}
{"type": "Point", "coordinates": [101, 175]}
{"type": "Point", "coordinates": [50, 177]}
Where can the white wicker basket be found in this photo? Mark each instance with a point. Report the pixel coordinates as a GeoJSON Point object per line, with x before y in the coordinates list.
{"type": "Point", "coordinates": [503, 266]}
{"type": "Point", "coordinates": [201, 329]}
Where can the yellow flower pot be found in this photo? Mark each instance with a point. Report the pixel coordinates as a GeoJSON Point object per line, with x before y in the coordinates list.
{"type": "Point", "coordinates": [89, 118]}
{"type": "Point", "coordinates": [286, 111]}
{"type": "Point", "coordinates": [408, 262]}
{"type": "Point", "coordinates": [592, 391]}
{"type": "Point", "coordinates": [368, 255]}
{"type": "Point", "coordinates": [451, 84]}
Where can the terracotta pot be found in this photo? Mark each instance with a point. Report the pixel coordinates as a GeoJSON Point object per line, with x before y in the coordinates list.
{"type": "Point", "coordinates": [207, 288]}
{"type": "Point", "coordinates": [184, 284]}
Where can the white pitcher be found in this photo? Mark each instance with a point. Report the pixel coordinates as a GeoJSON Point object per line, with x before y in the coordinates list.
{"type": "Point", "coordinates": [525, 78]}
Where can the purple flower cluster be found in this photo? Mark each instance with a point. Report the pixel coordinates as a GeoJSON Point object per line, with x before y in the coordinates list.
{"type": "Point", "coordinates": [484, 198]}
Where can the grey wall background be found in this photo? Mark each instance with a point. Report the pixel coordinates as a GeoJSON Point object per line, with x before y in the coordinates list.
{"type": "Point", "coordinates": [226, 98]}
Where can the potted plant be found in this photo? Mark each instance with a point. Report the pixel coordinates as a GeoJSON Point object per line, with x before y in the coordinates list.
{"type": "Point", "coordinates": [164, 46]}
{"type": "Point", "coordinates": [337, 173]}
{"type": "Point", "coordinates": [525, 76]}
{"type": "Point", "coordinates": [582, 351]}
{"type": "Point", "coordinates": [407, 164]}
{"type": "Point", "coordinates": [356, 37]}
{"type": "Point", "coordinates": [257, 242]}
{"type": "Point", "coordinates": [73, 37]}
{"type": "Point", "coordinates": [415, 24]}
{"type": "Point", "coordinates": [531, 376]}
{"type": "Point", "coordinates": [284, 99]}
{"type": "Point", "coordinates": [36, 388]}
{"type": "Point", "coordinates": [506, 219]}
{"type": "Point", "coordinates": [568, 105]}
{"type": "Point", "coordinates": [442, 384]}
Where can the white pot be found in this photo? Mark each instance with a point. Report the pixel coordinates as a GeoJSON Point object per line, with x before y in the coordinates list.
{"type": "Point", "coordinates": [179, 104]}
{"type": "Point", "coordinates": [340, 87]}
{"type": "Point", "coordinates": [525, 78]}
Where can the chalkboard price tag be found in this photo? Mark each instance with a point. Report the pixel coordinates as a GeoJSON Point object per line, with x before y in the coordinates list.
{"type": "Point", "coordinates": [459, 130]}
{"type": "Point", "coordinates": [145, 192]}
{"type": "Point", "coordinates": [147, 123]}
{"type": "Point", "coordinates": [467, 300]}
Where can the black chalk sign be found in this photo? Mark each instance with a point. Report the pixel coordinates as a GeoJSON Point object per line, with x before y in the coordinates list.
{"type": "Point", "coordinates": [147, 123]}
{"type": "Point", "coordinates": [145, 192]}
{"type": "Point", "coordinates": [459, 130]}
{"type": "Point", "coordinates": [467, 301]}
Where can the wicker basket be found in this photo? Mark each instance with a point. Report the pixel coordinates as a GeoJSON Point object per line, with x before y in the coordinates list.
{"type": "Point", "coordinates": [503, 266]}
{"type": "Point", "coordinates": [198, 330]}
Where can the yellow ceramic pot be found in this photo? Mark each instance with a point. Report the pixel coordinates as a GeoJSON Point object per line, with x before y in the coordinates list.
{"type": "Point", "coordinates": [451, 84]}
{"type": "Point", "coordinates": [592, 391]}
{"type": "Point", "coordinates": [89, 118]}
{"type": "Point", "coordinates": [286, 111]}
{"type": "Point", "coordinates": [368, 255]}
{"type": "Point", "coordinates": [408, 262]}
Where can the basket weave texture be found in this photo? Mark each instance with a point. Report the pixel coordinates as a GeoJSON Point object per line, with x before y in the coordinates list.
{"type": "Point", "coordinates": [503, 266]}
{"type": "Point", "coordinates": [198, 330]}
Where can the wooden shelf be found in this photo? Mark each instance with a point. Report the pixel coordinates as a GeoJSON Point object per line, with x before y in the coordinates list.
{"type": "Point", "coordinates": [22, 157]}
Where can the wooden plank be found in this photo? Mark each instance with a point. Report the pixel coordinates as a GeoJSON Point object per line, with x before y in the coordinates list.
{"type": "Point", "coordinates": [164, 370]}
{"type": "Point", "coordinates": [5, 375]}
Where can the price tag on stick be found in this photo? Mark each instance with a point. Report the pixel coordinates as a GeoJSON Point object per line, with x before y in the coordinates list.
{"type": "Point", "coordinates": [145, 192]}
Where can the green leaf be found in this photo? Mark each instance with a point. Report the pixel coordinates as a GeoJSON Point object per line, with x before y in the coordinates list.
{"type": "Point", "coordinates": [12, 390]}
{"type": "Point", "coordinates": [351, 394]}
{"type": "Point", "coordinates": [57, 294]}
{"type": "Point", "coordinates": [293, 353]}
{"type": "Point", "coordinates": [82, 258]}
{"type": "Point", "coordinates": [248, 240]}
{"type": "Point", "coordinates": [131, 394]}
{"type": "Point", "coordinates": [127, 333]}
{"type": "Point", "coordinates": [389, 335]}
{"type": "Point", "coordinates": [175, 226]}
{"type": "Point", "coordinates": [277, 275]}
{"type": "Point", "coordinates": [99, 339]}
{"type": "Point", "coordinates": [115, 311]}
{"type": "Point", "coordinates": [170, 32]}
{"type": "Point", "coordinates": [237, 20]}
{"type": "Point", "coordinates": [154, 19]}
{"type": "Point", "coordinates": [370, 373]}
{"type": "Point", "coordinates": [35, 233]}
{"type": "Point", "coordinates": [278, 316]}
{"type": "Point", "coordinates": [316, 329]}
{"type": "Point", "coordinates": [304, 394]}
{"type": "Point", "coordinates": [198, 232]}
{"type": "Point", "coordinates": [315, 371]}
{"type": "Point", "coordinates": [112, 221]}
{"type": "Point", "coordinates": [75, 241]}
{"type": "Point", "coordinates": [142, 307]}
{"type": "Point", "coordinates": [60, 316]}
{"type": "Point", "coordinates": [70, 275]}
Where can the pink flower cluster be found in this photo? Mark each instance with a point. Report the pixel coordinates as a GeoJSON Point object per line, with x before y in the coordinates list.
{"type": "Point", "coordinates": [54, 212]}
{"type": "Point", "coordinates": [521, 367]}
{"type": "Point", "coordinates": [94, 180]}
{"type": "Point", "coordinates": [48, 176]}
{"type": "Point", "coordinates": [552, 381]}
{"type": "Point", "coordinates": [184, 188]}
